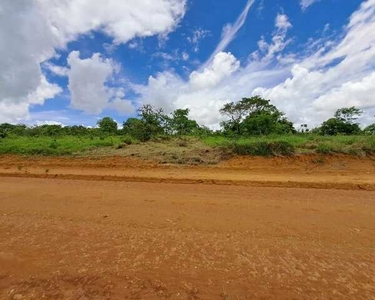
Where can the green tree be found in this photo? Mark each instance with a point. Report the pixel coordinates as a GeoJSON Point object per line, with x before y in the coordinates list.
{"type": "Point", "coordinates": [107, 125]}
{"type": "Point", "coordinates": [237, 112]}
{"type": "Point", "coordinates": [77, 130]}
{"type": "Point", "coordinates": [180, 124]}
{"type": "Point", "coordinates": [254, 116]}
{"type": "Point", "coordinates": [265, 123]}
{"type": "Point", "coordinates": [50, 130]}
{"type": "Point", "coordinates": [18, 129]}
{"type": "Point", "coordinates": [348, 114]}
{"type": "Point", "coordinates": [137, 129]}
{"type": "Point", "coordinates": [155, 120]}
{"type": "Point", "coordinates": [370, 129]}
{"type": "Point", "coordinates": [342, 123]}
{"type": "Point", "coordinates": [3, 133]}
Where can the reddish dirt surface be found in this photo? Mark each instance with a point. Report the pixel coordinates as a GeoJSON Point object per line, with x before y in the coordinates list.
{"type": "Point", "coordinates": [141, 232]}
{"type": "Point", "coordinates": [310, 171]}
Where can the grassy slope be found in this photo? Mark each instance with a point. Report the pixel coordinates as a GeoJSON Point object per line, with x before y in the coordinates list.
{"type": "Point", "coordinates": [356, 145]}
{"type": "Point", "coordinates": [54, 146]}
{"type": "Point", "coordinates": [270, 145]}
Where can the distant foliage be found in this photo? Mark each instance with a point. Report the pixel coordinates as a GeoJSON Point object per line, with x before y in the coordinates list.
{"type": "Point", "coordinates": [137, 129]}
{"type": "Point", "coordinates": [152, 122]}
{"type": "Point", "coordinates": [343, 122]}
{"type": "Point", "coordinates": [370, 129]}
{"type": "Point", "coordinates": [254, 116]}
{"type": "Point", "coordinates": [180, 124]}
{"type": "Point", "coordinates": [247, 118]}
{"type": "Point", "coordinates": [107, 125]}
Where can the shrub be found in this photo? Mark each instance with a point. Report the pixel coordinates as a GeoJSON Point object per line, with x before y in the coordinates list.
{"type": "Point", "coordinates": [54, 144]}
{"type": "Point", "coordinates": [369, 147]}
{"type": "Point", "coordinates": [264, 148]}
{"type": "Point", "coordinates": [325, 148]}
{"type": "Point", "coordinates": [128, 141]}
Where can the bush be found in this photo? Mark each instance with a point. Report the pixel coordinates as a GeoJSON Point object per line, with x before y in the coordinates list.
{"type": "Point", "coordinates": [264, 148]}
{"type": "Point", "coordinates": [325, 148]}
{"type": "Point", "coordinates": [54, 144]}
{"type": "Point", "coordinates": [128, 141]}
{"type": "Point", "coordinates": [369, 147]}
{"type": "Point", "coordinates": [3, 134]}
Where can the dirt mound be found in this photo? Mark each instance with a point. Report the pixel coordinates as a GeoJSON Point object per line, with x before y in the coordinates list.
{"type": "Point", "coordinates": [307, 162]}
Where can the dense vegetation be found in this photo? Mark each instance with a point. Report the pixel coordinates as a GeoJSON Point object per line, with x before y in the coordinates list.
{"type": "Point", "coordinates": [253, 126]}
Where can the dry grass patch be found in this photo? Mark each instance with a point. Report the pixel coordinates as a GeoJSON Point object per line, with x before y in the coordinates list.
{"type": "Point", "coordinates": [190, 151]}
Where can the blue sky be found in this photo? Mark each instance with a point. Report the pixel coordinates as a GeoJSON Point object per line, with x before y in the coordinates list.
{"type": "Point", "coordinates": [73, 62]}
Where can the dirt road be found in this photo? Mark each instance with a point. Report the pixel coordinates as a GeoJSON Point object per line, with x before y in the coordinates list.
{"type": "Point", "coordinates": [309, 171]}
{"type": "Point", "coordinates": [91, 239]}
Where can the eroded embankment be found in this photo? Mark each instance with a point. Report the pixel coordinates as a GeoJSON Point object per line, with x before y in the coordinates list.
{"type": "Point", "coordinates": [307, 171]}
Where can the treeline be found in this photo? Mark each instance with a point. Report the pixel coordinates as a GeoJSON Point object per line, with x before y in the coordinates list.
{"type": "Point", "coordinates": [248, 117]}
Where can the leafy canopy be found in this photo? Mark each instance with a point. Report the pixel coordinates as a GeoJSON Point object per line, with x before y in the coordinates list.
{"type": "Point", "coordinates": [107, 125]}
{"type": "Point", "coordinates": [343, 122]}
{"type": "Point", "coordinates": [254, 116]}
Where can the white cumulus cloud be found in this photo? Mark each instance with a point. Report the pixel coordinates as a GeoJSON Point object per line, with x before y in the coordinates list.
{"type": "Point", "coordinates": [87, 78]}
{"type": "Point", "coordinates": [324, 81]}
{"type": "Point", "coordinates": [32, 31]}
{"type": "Point", "coordinates": [89, 88]}
{"type": "Point", "coordinates": [222, 66]}
{"type": "Point", "coordinates": [331, 73]}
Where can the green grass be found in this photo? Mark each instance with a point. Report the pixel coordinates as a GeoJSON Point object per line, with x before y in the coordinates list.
{"type": "Point", "coordinates": [66, 145]}
{"type": "Point", "coordinates": [299, 143]}
{"type": "Point", "coordinates": [260, 146]}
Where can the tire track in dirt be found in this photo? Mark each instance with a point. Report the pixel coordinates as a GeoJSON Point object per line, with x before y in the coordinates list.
{"type": "Point", "coordinates": [249, 183]}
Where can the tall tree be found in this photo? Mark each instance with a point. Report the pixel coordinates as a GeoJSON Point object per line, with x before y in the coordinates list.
{"type": "Point", "coordinates": [154, 119]}
{"type": "Point", "coordinates": [254, 116]}
{"type": "Point", "coordinates": [180, 123]}
{"type": "Point", "coordinates": [107, 125]}
{"type": "Point", "coordinates": [348, 114]}
{"type": "Point", "coordinates": [342, 122]}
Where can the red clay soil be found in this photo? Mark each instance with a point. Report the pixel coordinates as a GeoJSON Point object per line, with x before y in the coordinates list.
{"type": "Point", "coordinates": [111, 237]}
{"type": "Point", "coordinates": [309, 171]}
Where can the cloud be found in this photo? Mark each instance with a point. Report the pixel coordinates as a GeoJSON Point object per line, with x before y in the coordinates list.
{"type": "Point", "coordinates": [25, 42]}
{"type": "Point", "coordinates": [198, 35]}
{"type": "Point", "coordinates": [32, 31]}
{"type": "Point", "coordinates": [88, 80]}
{"type": "Point", "coordinates": [185, 56]}
{"type": "Point", "coordinates": [49, 122]}
{"type": "Point", "coordinates": [44, 91]}
{"type": "Point", "coordinates": [306, 3]}
{"type": "Point", "coordinates": [282, 22]}
{"type": "Point", "coordinates": [353, 93]}
{"type": "Point", "coordinates": [54, 69]}
{"type": "Point", "coordinates": [161, 90]}
{"type": "Point", "coordinates": [207, 90]}
{"type": "Point", "coordinates": [173, 56]}
{"type": "Point", "coordinates": [122, 20]}
{"type": "Point", "coordinates": [124, 107]}
{"type": "Point", "coordinates": [11, 112]}
{"type": "Point", "coordinates": [223, 65]}
{"type": "Point", "coordinates": [230, 31]}
{"type": "Point", "coordinates": [331, 73]}
{"type": "Point", "coordinates": [338, 73]}
{"type": "Point", "coordinates": [267, 51]}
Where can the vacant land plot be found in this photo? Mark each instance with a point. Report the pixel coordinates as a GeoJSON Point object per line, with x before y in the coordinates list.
{"type": "Point", "coordinates": [117, 228]}
{"type": "Point", "coordinates": [209, 149]}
